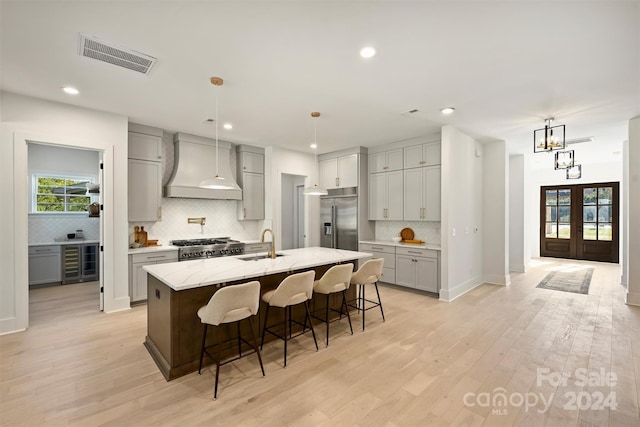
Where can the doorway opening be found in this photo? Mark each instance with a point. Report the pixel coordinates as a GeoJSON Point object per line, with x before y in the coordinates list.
{"type": "Point", "coordinates": [580, 221]}
{"type": "Point", "coordinates": [64, 226]}
{"type": "Point", "coordinates": [292, 211]}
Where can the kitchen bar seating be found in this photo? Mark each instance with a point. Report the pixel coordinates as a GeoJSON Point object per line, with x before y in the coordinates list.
{"type": "Point", "coordinates": [368, 274]}
{"type": "Point", "coordinates": [230, 304]}
{"type": "Point", "coordinates": [293, 290]}
{"type": "Point", "coordinates": [336, 279]}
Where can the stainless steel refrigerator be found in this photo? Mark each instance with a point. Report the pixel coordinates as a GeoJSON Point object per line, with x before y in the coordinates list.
{"type": "Point", "coordinates": [339, 222]}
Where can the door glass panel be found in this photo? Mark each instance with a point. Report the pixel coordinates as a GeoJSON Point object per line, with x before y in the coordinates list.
{"type": "Point", "coordinates": [589, 232]}
{"type": "Point", "coordinates": [604, 231]}
{"type": "Point", "coordinates": [564, 213]}
{"type": "Point", "coordinates": [564, 231]}
{"type": "Point", "coordinates": [604, 213]}
{"type": "Point", "coordinates": [564, 197]}
{"type": "Point", "coordinates": [605, 195]}
{"type": "Point", "coordinates": [552, 197]}
{"type": "Point", "coordinates": [551, 213]}
{"type": "Point", "coordinates": [589, 214]}
{"type": "Point", "coordinates": [551, 230]}
{"type": "Point", "coordinates": [589, 196]}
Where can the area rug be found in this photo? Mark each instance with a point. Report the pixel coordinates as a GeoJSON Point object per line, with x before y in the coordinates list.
{"type": "Point", "coordinates": [577, 281]}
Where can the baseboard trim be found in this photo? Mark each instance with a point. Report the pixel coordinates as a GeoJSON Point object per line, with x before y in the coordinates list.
{"type": "Point", "coordinates": [498, 280]}
{"type": "Point", "coordinates": [517, 268]}
{"type": "Point", "coordinates": [449, 295]}
{"type": "Point", "coordinates": [632, 298]}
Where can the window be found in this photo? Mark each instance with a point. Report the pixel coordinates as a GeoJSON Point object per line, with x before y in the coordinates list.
{"type": "Point", "coordinates": [60, 194]}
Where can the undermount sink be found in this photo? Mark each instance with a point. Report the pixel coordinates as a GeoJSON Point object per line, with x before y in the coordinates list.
{"type": "Point", "coordinates": [258, 257]}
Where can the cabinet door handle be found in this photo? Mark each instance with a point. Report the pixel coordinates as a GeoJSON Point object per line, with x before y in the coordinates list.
{"type": "Point", "coordinates": [337, 182]}
{"type": "Point", "coordinates": [154, 257]}
{"type": "Point", "coordinates": [385, 167]}
{"type": "Point", "coordinates": [160, 212]}
{"type": "Point", "coordinates": [373, 247]}
{"type": "Point", "coordinates": [244, 212]}
{"type": "Point", "coordinates": [422, 162]}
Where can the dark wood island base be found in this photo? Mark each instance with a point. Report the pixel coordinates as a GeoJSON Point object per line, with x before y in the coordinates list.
{"type": "Point", "coordinates": [174, 331]}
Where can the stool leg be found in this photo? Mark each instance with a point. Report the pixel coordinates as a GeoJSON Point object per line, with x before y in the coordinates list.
{"type": "Point", "coordinates": [327, 319]}
{"type": "Point", "coordinates": [264, 329]}
{"type": "Point", "coordinates": [239, 342]}
{"type": "Point", "coordinates": [306, 306]}
{"type": "Point", "coordinates": [363, 309]}
{"type": "Point", "coordinates": [344, 303]}
{"type": "Point", "coordinates": [290, 323]}
{"type": "Point", "coordinates": [379, 301]}
{"type": "Point", "coordinates": [285, 336]}
{"type": "Point", "coordinates": [204, 341]}
{"type": "Point", "coordinates": [255, 343]}
{"type": "Point", "coordinates": [217, 334]}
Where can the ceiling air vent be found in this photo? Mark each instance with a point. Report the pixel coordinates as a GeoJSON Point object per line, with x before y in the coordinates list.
{"type": "Point", "coordinates": [101, 50]}
{"type": "Point", "coordinates": [579, 140]}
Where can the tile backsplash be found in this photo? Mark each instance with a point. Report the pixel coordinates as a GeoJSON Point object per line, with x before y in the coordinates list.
{"type": "Point", "coordinates": [427, 231]}
{"type": "Point", "coordinates": [221, 221]}
{"type": "Point", "coordinates": [45, 228]}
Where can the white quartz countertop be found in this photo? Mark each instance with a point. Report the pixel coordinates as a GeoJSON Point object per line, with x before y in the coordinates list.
{"type": "Point", "coordinates": [405, 245]}
{"type": "Point", "coordinates": [197, 273]}
{"type": "Point", "coordinates": [152, 249]}
{"type": "Point", "coordinates": [65, 242]}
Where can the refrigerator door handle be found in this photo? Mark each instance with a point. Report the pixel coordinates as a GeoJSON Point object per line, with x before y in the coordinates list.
{"type": "Point", "coordinates": [334, 236]}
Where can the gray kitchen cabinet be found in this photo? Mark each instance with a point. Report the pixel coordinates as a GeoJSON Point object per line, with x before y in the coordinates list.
{"type": "Point", "coordinates": [385, 161]}
{"type": "Point", "coordinates": [145, 173]}
{"type": "Point", "coordinates": [388, 253]}
{"type": "Point", "coordinates": [44, 264]}
{"type": "Point", "coordinates": [422, 194]}
{"type": "Point", "coordinates": [422, 155]}
{"type": "Point", "coordinates": [418, 268]}
{"type": "Point", "coordinates": [137, 275]}
{"type": "Point", "coordinates": [250, 162]}
{"type": "Point", "coordinates": [339, 172]}
{"type": "Point", "coordinates": [386, 196]}
{"type": "Point", "coordinates": [80, 263]}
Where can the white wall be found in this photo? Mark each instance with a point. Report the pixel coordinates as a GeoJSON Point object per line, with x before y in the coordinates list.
{"type": "Point", "coordinates": [27, 119]}
{"type": "Point", "coordinates": [632, 148]}
{"type": "Point", "coordinates": [519, 246]}
{"type": "Point", "coordinates": [279, 161]}
{"type": "Point", "coordinates": [461, 262]}
{"type": "Point", "coordinates": [495, 213]}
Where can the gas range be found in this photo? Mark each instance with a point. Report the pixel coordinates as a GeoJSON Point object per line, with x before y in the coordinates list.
{"type": "Point", "coordinates": [207, 248]}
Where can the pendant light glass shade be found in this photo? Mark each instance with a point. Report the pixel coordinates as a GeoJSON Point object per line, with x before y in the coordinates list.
{"type": "Point", "coordinates": [315, 189]}
{"type": "Point", "coordinates": [217, 182]}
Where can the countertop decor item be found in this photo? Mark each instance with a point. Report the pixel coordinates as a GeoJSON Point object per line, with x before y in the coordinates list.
{"type": "Point", "coordinates": [94, 209]}
{"type": "Point", "coordinates": [407, 234]}
{"type": "Point", "coordinates": [396, 239]}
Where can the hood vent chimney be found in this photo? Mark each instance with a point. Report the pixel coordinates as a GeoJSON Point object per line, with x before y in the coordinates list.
{"type": "Point", "coordinates": [195, 159]}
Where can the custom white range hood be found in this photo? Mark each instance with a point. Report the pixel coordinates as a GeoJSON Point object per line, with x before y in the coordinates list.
{"type": "Point", "coordinates": [195, 160]}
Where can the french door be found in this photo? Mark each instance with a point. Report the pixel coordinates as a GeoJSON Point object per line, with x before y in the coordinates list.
{"type": "Point", "coordinates": [580, 221]}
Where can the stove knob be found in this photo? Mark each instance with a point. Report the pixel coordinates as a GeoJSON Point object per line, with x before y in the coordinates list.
{"type": "Point", "coordinates": [223, 251]}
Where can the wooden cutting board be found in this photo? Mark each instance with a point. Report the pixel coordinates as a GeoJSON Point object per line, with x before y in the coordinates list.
{"type": "Point", "coordinates": [413, 241]}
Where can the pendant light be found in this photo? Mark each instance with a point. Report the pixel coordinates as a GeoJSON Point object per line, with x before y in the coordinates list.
{"type": "Point", "coordinates": [217, 182]}
{"type": "Point", "coordinates": [315, 189]}
{"type": "Point", "coordinates": [544, 139]}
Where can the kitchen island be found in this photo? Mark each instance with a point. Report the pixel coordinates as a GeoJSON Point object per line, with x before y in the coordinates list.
{"type": "Point", "coordinates": [177, 290]}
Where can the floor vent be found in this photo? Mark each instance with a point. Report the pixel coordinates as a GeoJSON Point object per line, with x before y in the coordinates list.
{"type": "Point", "coordinates": [101, 50]}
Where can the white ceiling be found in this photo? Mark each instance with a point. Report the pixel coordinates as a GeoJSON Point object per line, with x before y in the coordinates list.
{"type": "Point", "coordinates": [504, 66]}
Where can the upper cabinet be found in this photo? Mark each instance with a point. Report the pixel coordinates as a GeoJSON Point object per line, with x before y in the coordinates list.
{"type": "Point", "coordinates": [422, 155]}
{"type": "Point", "coordinates": [145, 173]}
{"type": "Point", "coordinates": [145, 143]}
{"type": "Point", "coordinates": [339, 172]}
{"type": "Point", "coordinates": [251, 179]}
{"type": "Point", "coordinates": [385, 161]}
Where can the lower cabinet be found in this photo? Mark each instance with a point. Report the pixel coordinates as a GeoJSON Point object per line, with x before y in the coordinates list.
{"type": "Point", "coordinates": [137, 275]}
{"type": "Point", "coordinates": [417, 268]}
{"type": "Point", "coordinates": [44, 264]}
{"type": "Point", "coordinates": [387, 252]}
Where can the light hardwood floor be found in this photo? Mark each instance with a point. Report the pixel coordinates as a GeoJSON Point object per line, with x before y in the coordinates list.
{"type": "Point", "coordinates": [76, 366]}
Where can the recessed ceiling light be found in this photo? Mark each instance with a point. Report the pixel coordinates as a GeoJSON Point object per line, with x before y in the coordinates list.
{"type": "Point", "coordinates": [227, 126]}
{"type": "Point", "coordinates": [447, 110]}
{"type": "Point", "coordinates": [70, 90]}
{"type": "Point", "coordinates": [314, 146]}
{"type": "Point", "coordinates": [367, 52]}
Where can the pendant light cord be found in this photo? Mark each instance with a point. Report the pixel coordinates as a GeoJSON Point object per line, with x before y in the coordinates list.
{"type": "Point", "coordinates": [216, 120]}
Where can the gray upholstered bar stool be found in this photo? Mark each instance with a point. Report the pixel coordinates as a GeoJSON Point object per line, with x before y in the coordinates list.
{"type": "Point", "coordinates": [293, 290]}
{"type": "Point", "coordinates": [368, 274]}
{"type": "Point", "coordinates": [334, 280]}
{"type": "Point", "coordinates": [230, 304]}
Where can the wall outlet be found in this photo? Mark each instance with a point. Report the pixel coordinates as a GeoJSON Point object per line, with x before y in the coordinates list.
{"type": "Point", "coordinates": [466, 230]}
{"type": "Point", "coordinates": [453, 232]}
